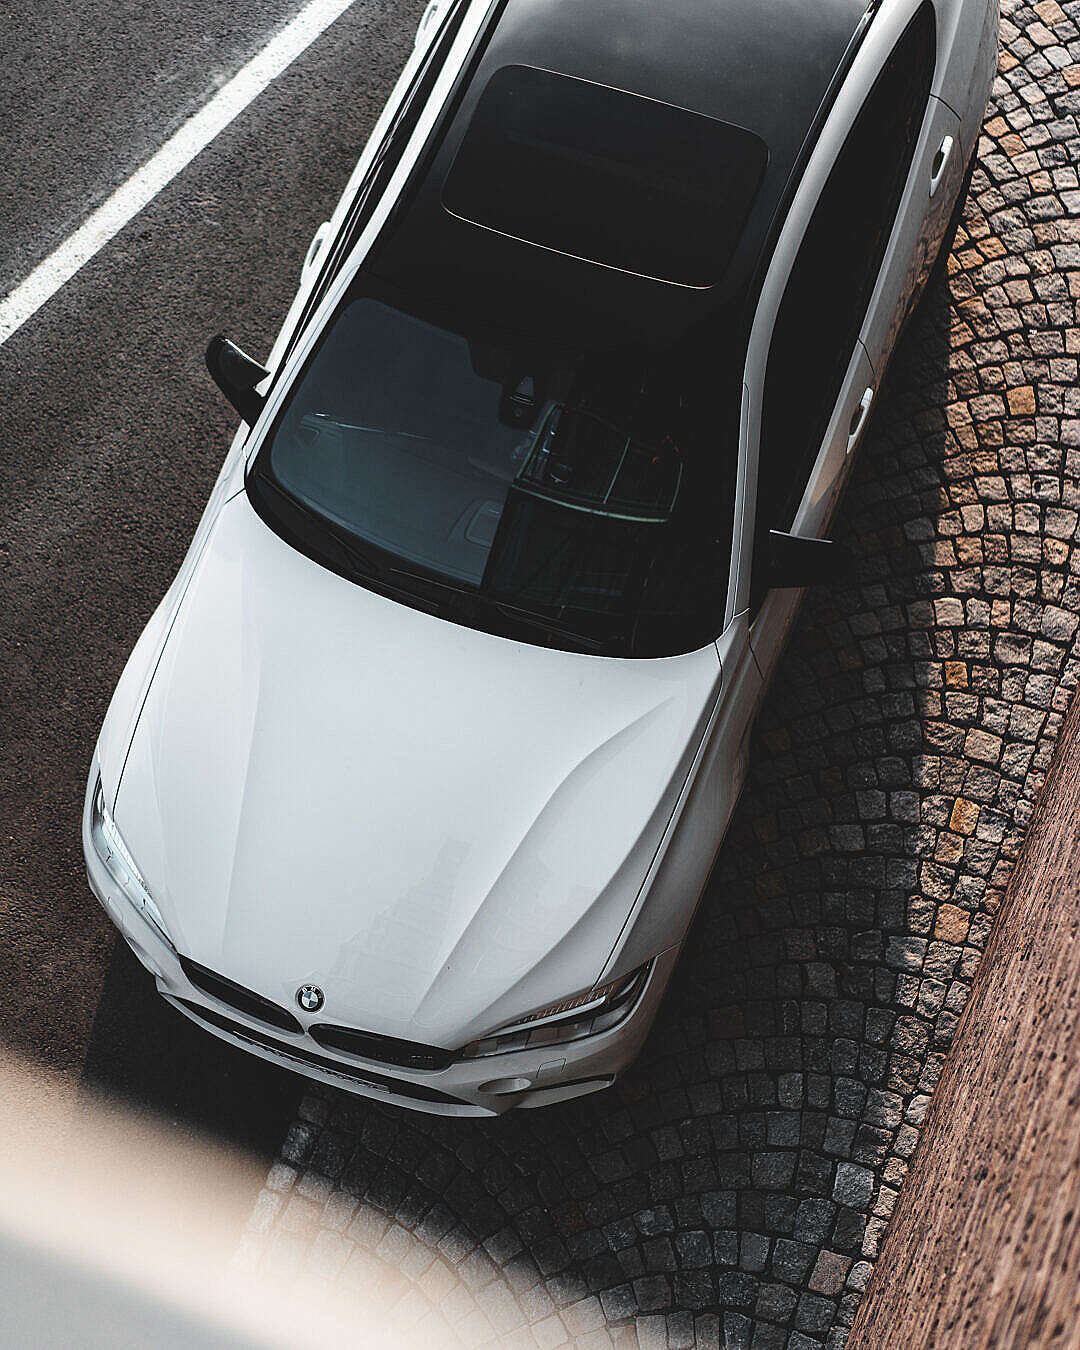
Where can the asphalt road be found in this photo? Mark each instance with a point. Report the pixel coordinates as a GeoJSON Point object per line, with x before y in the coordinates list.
{"type": "Point", "coordinates": [111, 435]}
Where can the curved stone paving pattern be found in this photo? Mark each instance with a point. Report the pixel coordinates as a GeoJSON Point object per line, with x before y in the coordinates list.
{"type": "Point", "coordinates": [733, 1189]}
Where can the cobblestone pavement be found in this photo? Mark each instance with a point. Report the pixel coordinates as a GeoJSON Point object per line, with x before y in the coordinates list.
{"type": "Point", "coordinates": [734, 1187]}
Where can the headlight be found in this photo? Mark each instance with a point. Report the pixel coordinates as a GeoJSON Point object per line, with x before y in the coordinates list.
{"type": "Point", "coordinates": [585, 1014]}
{"type": "Point", "coordinates": [113, 852]}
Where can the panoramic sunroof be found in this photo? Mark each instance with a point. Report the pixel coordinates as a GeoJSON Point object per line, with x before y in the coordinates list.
{"type": "Point", "coordinates": [607, 176]}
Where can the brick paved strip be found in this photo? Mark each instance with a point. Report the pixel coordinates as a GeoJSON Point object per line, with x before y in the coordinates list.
{"type": "Point", "coordinates": [735, 1186]}
{"type": "Point", "coordinates": [984, 1249]}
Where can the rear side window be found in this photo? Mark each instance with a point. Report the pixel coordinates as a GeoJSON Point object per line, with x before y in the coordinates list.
{"type": "Point", "coordinates": [835, 271]}
{"type": "Point", "coordinates": [607, 176]}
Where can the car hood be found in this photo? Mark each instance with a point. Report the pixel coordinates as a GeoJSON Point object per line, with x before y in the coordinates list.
{"type": "Point", "coordinates": [440, 827]}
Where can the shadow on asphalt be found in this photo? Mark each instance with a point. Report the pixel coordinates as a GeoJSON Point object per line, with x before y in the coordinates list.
{"type": "Point", "coordinates": [146, 1056]}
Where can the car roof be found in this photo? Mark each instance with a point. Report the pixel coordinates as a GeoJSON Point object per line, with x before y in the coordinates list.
{"type": "Point", "coordinates": [765, 66]}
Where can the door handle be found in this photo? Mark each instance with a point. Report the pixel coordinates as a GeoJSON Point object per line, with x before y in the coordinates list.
{"type": "Point", "coordinates": [941, 161]}
{"type": "Point", "coordinates": [314, 248]}
{"type": "Point", "coordinates": [425, 20]}
{"type": "Point", "coordinates": [858, 419]}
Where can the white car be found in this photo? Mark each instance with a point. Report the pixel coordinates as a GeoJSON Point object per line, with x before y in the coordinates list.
{"type": "Point", "coordinates": [414, 780]}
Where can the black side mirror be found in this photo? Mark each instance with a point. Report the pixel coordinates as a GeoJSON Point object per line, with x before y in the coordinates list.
{"type": "Point", "coordinates": [791, 561]}
{"type": "Point", "coordinates": [236, 375]}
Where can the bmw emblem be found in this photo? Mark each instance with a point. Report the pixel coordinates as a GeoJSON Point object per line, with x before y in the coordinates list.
{"type": "Point", "coordinates": [310, 997]}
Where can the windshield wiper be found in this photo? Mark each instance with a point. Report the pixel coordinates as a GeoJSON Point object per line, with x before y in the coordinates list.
{"type": "Point", "coordinates": [460, 600]}
{"type": "Point", "coordinates": [534, 619]}
{"type": "Point", "coordinates": [452, 602]}
{"type": "Point", "coordinates": [359, 558]}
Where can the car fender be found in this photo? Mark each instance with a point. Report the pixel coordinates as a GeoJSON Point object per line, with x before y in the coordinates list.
{"type": "Point", "coordinates": [129, 696]}
{"type": "Point", "coordinates": [676, 880]}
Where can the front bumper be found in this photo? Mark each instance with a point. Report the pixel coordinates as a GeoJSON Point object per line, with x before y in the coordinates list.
{"type": "Point", "coordinates": [474, 1087]}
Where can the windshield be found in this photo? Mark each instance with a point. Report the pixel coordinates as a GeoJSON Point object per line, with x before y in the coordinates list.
{"type": "Point", "coordinates": [569, 499]}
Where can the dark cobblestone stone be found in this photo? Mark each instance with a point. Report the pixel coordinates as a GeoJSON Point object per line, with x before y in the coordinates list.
{"type": "Point", "coordinates": [733, 1189]}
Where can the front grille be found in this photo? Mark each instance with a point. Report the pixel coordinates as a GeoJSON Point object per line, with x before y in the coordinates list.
{"type": "Point", "coordinates": [383, 1049]}
{"type": "Point", "coordinates": [332, 1066]}
{"type": "Point", "coordinates": [236, 996]}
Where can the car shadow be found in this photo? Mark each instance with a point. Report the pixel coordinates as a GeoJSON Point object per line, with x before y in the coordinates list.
{"type": "Point", "coordinates": [144, 1055]}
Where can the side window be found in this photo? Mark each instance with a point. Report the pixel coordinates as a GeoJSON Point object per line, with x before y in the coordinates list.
{"type": "Point", "coordinates": [397, 137]}
{"type": "Point", "coordinates": [835, 271]}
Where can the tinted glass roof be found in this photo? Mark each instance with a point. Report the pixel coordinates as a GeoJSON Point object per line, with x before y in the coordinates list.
{"type": "Point", "coordinates": [757, 67]}
{"type": "Point", "coordinates": [606, 176]}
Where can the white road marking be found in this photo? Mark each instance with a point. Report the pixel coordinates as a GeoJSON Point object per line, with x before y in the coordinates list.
{"type": "Point", "coordinates": [163, 166]}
